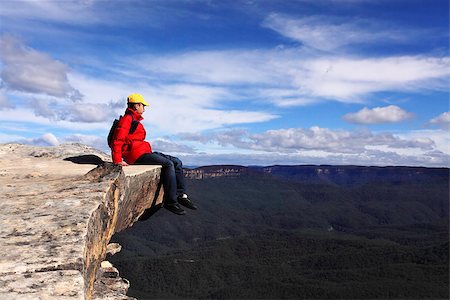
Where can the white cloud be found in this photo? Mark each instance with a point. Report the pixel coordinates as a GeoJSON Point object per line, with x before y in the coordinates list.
{"type": "Point", "coordinates": [175, 117]}
{"type": "Point", "coordinates": [62, 102]}
{"type": "Point", "coordinates": [25, 69]}
{"type": "Point", "coordinates": [94, 12]}
{"type": "Point", "coordinates": [350, 79]}
{"type": "Point", "coordinates": [47, 139]}
{"type": "Point", "coordinates": [98, 142]}
{"type": "Point", "coordinates": [377, 115]}
{"type": "Point", "coordinates": [286, 97]}
{"type": "Point", "coordinates": [168, 146]}
{"type": "Point", "coordinates": [312, 33]}
{"type": "Point", "coordinates": [322, 146]}
{"type": "Point", "coordinates": [291, 77]}
{"type": "Point", "coordinates": [296, 140]}
{"type": "Point", "coordinates": [4, 103]}
{"type": "Point", "coordinates": [91, 112]}
{"type": "Point", "coordinates": [335, 141]}
{"type": "Point", "coordinates": [8, 137]}
{"type": "Point", "coordinates": [193, 94]}
{"type": "Point", "coordinates": [293, 146]}
{"type": "Point", "coordinates": [217, 67]}
{"type": "Point", "coordinates": [329, 33]}
{"type": "Point", "coordinates": [50, 139]}
{"type": "Point", "coordinates": [208, 98]}
{"type": "Point", "coordinates": [44, 107]}
{"type": "Point", "coordinates": [173, 107]}
{"type": "Point", "coordinates": [443, 120]}
{"type": "Point", "coordinates": [366, 158]}
{"type": "Point", "coordinates": [26, 116]}
{"type": "Point", "coordinates": [69, 11]}
{"type": "Point", "coordinates": [439, 136]}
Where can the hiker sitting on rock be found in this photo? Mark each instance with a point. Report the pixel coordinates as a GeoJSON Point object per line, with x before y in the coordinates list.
{"type": "Point", "coordinates": [129, 143]}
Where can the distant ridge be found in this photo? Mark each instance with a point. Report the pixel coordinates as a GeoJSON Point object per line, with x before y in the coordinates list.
{"type": "Point", "coordinates": [340, 175]}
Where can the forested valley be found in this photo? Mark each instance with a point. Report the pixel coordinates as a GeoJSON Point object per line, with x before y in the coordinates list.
{"type": "Point", "coordinates": [281, 236]}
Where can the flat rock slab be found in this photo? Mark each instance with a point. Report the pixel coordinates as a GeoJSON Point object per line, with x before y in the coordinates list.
{"type": "Point", "coordinates": [55, 221]}
{"type": "Point", "coordinates": [61, 285]}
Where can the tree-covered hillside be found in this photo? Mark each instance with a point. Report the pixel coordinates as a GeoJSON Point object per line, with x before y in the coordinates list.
{"type": "Point", "coordinates": [264, 236]}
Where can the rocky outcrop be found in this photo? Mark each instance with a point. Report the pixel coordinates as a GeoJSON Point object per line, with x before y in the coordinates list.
{"type": "Point", "coordinates": [58, 216]}
{"type": "Point", "coordinates": [216, 171]}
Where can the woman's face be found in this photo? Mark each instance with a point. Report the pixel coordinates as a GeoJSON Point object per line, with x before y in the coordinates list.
{"type": "Point", "coordinates": [140, 108]}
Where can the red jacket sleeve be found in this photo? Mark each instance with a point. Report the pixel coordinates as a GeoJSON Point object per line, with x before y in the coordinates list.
{"type": "Point", "coordinates": [120, 138]}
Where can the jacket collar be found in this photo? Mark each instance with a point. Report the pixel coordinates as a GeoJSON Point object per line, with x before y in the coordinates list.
{"type": "Point", "coordinates": [135, 115]}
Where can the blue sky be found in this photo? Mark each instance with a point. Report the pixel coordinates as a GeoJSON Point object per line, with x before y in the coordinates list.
{"type": "Point", "coordinates": [234, 82]}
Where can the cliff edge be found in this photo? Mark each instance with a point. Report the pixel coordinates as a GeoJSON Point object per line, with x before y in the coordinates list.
{"type": "Point", "coordinates": [57, 218]}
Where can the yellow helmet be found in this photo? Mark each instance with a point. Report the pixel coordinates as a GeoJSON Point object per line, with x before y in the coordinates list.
{"type": "Point", "coordinates": [136, 98]}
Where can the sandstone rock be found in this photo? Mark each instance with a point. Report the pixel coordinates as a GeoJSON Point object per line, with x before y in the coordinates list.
{"type": "Point", "coordinates": [113, 248]}
{"type": "Point", "coordinates": [106, 264]}
{"type": "Point", "coordinates": [109, 285]}
{"type": "Point", "coordinates": [57, 217]}
{"type": "Point", "coordinates": [61, 284]}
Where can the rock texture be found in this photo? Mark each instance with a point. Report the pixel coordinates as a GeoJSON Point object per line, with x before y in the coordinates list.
{"type": "Point", "coordinates": [109, 285]}
{"type": "Point", "coordinates": [57, 217]}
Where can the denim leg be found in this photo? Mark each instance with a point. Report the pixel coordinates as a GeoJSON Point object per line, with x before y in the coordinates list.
{"type": "Point", "coordinates": [168, 176]}
{"type": "Point", "coordinates": [178, 165]}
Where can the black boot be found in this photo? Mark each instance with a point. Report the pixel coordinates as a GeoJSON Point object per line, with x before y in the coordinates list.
{"type": "Point", "coordinates": [175, 208]}
{"type": "Point", "coordinates": [184, 200]}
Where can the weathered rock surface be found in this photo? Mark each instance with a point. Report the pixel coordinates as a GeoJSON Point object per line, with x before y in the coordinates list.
{"type": "Point", "coordinates": [109, 285]}
{"type": "Point", "coordinates": [57, 217]}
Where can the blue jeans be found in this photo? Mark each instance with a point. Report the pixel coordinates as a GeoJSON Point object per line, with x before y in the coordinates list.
{"type": "Point", "coordinates": [171, 174]}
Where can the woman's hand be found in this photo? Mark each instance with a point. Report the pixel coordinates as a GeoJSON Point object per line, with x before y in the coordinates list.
{"type": "Point", "coordinates": [123, 164]}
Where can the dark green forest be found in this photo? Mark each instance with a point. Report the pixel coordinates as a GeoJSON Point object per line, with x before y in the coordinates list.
{"type": "Point", "coordinates": [262, 236]}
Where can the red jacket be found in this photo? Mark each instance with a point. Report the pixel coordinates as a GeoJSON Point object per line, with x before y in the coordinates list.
{"type": "Point", "coordinates": [129, 146]}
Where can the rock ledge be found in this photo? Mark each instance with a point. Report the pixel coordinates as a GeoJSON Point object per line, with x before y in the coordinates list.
{"type": "Point", "coordinates": [57, 218]}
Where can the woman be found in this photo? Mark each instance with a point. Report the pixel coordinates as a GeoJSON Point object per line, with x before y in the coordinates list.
{"type": "Point", "coordinates": [133, 149]}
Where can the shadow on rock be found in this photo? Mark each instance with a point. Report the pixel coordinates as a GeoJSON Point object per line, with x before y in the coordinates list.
{"type": "Point", "coordinates": [154, 208]}
{"type": "Point", "coordinates": [88, 159]}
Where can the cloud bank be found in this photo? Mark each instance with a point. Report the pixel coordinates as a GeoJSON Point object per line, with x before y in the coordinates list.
{"type": "Point", "coordinates": [323, 145]}
{"type": "Point", "coordinates": [295, 140]}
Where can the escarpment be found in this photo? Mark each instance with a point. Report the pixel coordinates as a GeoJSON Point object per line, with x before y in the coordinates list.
{"type": "Point", "coordinates": [58, 213]}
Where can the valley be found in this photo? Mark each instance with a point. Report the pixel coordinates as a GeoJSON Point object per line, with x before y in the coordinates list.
{"type": "Point", "coordinates": [295, 232]}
